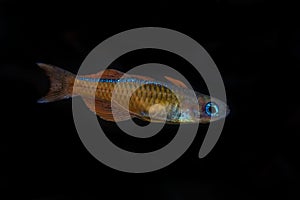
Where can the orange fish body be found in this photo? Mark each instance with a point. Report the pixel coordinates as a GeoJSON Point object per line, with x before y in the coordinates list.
{"type": "Point", "coordinates": [129, 96]}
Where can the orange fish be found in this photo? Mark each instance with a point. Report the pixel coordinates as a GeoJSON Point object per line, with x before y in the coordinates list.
{"type": "Point", "coordinates": [131, 96]}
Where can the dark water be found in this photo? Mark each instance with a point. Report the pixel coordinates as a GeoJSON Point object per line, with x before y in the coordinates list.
{"type": "Point", "coordinates": [256, 46]}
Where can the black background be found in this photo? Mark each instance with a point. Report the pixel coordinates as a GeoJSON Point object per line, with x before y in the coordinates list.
{"type": "Point", "coordinates": [256, 46]}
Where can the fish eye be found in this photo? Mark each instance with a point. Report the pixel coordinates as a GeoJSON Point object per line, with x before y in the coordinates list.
{"type": "Point", "coordinates": [211, 109]}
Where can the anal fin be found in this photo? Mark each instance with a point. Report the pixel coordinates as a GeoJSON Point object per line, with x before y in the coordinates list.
{"type": "Point", "coordinates": [104, 110]}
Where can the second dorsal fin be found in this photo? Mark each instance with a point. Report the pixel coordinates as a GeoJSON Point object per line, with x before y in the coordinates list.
{"type": "Point", "coordinates": [106, 74]}
{"type": "Point", "coordinates": [115, 74]}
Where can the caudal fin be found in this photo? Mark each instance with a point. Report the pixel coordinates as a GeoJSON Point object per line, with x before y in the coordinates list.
{"type": "Point", "coordinates": [61, 83]}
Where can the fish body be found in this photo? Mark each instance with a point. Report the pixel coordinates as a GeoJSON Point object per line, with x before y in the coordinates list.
{"type": "Point", "coordinates": [129, 96]}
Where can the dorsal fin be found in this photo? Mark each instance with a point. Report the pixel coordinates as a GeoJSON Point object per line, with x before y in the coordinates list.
{"type": "Point", "coordinates": [115, 74]}
{"type": "Point", "coordinates": [106, 74]}
{"type": "Point", "coordinates": [146, 78]}
{"type": "Point", "coordinates": [176, 82]}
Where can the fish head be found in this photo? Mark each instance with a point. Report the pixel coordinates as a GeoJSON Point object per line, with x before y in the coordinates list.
{"type": "Point", "coordinates": [210, 109]}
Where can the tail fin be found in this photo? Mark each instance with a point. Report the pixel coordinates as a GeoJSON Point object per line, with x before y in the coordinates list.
{"type": "Point", "coordinates": [61, 83]}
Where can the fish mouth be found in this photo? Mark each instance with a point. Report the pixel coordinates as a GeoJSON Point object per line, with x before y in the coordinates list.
{"type": "Point", "coordinates": [227, 111]}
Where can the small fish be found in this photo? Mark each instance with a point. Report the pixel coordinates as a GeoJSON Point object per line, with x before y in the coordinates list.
{"type": "Point", "coordinates": [134, 96]}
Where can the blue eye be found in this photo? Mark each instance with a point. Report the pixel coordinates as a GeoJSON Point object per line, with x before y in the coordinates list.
{"type": "Point", "coordinates": [211, 109]}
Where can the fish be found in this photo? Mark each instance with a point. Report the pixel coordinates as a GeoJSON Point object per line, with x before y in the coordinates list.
{"type": "Point", "coordinates": [116, 96]}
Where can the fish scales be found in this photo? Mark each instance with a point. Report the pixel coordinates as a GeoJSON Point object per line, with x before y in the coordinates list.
{"type": "Point", "coordinates": [144, 94]}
